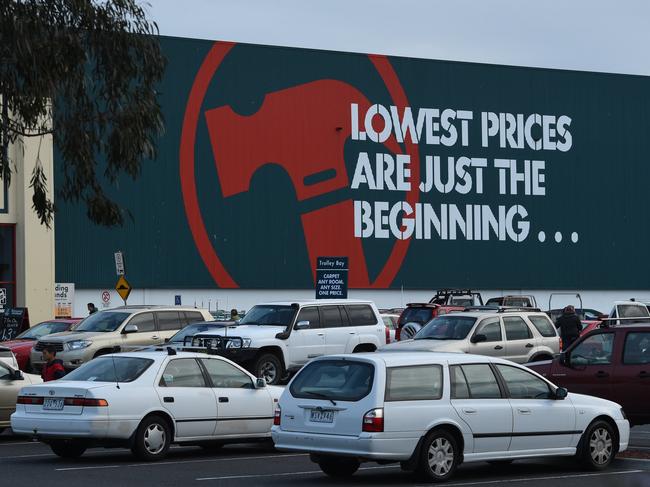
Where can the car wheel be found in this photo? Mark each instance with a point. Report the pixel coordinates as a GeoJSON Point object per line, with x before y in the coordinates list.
{"type": "Point", "coordinates": [269, 367]}
{"type": "Point", "coordinates": [68, 448]}
{"type": "Point", "coordinates": [152, 439]}
{"type": "Point", "coordinates": [438, 457]}
{"type": "Point", "coordinates": [338, 467]}
{"type": "Point", "coordinates": [597, 446]}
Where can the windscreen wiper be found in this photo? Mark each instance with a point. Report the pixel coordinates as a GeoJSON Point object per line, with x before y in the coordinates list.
{"type": "Point", "coordinates": [321, 395]}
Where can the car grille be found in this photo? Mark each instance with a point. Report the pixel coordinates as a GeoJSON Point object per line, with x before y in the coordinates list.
{"type": "Point", "coordinates": [58, 346]}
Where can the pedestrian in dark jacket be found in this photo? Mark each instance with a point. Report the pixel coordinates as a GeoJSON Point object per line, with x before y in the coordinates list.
{"type": "Point", "coordinates": [569, 325]}
{"type": "Point", "coordinates": [53, 367]}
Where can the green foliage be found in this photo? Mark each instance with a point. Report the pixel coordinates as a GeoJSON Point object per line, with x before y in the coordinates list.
{"type": "Point", "coordinates": [85, 71]}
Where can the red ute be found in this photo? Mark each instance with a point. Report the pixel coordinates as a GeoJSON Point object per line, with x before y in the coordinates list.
{"type": "Point", "coordinates": [610, 362]}
{"type": "Point", "coordinates": [22, 345]}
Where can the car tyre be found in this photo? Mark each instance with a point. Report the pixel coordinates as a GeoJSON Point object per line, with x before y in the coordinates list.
{"type": "Point", "coordinates": [439, 457]}
{"type": "Point", "coordinates": [152, 439]}
{"type": "Point", "coordinates": [269, 367]}
{"type": "Point", "coordinates": [68, 448]}
{"type": "Point", "coordinates": [338, 467]}
{"type": "Point", "coordinates": [597, 446]}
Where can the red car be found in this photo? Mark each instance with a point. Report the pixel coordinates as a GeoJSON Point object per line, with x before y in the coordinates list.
{"type": "Point", "coordinates": [608, 362]}
{"type": "Point", "coordinates": [22, 345]}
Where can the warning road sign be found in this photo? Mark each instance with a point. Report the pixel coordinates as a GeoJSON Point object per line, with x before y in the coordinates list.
{"type": "Point", "coordinates": [123, 288]}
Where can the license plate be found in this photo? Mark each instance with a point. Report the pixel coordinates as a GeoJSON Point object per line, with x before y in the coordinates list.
{"type": "Point", "coordinates": [320, 416]}
{"type": "Point", "coordinates": [53, 404]}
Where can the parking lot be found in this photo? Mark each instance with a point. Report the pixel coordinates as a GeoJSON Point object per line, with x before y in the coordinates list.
{"type": "Point", "coordinates": [22, 461]}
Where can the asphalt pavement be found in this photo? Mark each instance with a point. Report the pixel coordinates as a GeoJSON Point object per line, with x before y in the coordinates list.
{"type": "Point", "coordinates": [24, 462]}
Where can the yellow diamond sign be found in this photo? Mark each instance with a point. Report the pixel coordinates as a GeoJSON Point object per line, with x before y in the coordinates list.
{"type": "Point", "coordinates": [123, 288]}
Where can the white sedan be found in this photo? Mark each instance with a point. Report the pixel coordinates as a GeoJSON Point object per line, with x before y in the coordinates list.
{"type": "Point", "coordinates": [433, 411]}
{"type": "Point", "coordinates": [146, 401]}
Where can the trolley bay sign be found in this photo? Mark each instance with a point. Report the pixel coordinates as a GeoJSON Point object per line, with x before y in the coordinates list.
{"type": "Point", "coordinates": [421, 173]}
{"type": "Point", "coordinates": [331, 278]}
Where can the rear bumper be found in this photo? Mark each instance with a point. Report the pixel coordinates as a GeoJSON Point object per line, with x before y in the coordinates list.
{"type": "Point", "coordinates": [370, 446]}
{"type": "Point", "coordinates": [65, 427]}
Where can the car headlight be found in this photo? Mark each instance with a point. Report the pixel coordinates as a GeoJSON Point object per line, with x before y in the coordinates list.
{"type": "Point", "coordinates": [238, 343]}
{"type": "Point", "coordinates": [79, 344]}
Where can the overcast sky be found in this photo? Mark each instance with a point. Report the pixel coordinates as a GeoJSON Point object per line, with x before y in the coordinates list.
{"type": "Point", "coordinates": [591, 35]}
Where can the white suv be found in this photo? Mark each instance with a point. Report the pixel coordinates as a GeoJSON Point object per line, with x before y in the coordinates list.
{"type": "Point", "coordinates": [276, 338]}
{"type": "Point", "coordinates": [434, 411]}
{"type": "Point", "coordinates": [520, 336]}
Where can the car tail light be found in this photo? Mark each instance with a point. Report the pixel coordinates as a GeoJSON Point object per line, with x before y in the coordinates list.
{"type": "Point", "coordinates": [85, 402]}
{"type": "Point", "coordinates": [373, 421]}
{"type": "Point", "coordinates": [398, 333]}
{"type": "Point", "coordinates": [561, 345]}
{"type": "Point", "coordinates": [387, 336]}
{"type": "Point", "coordinates": [277, 416]}
{"type": "Point", "coordinates": [29, 400]}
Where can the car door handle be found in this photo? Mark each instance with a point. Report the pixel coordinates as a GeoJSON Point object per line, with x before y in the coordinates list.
{"type": "Point", "coordinates": [469, 411]}
{"type": "Point", "coordinates": [321, 334]}
{"type": "Point", "coordinates": [643, 374]}
{"type": "Point", "coordinates": [223, 399]}
{"type": "Point", "coordinates": [155, 337]}
{"type": "Point", "coordinates": [498, 347]}
{"type": "Point", "coordinates": [529, 345]}
{"type": "Point", "coordinates": [168, 399]}
{"type": "Point", "coordinates": [523, 410]}
{"type": "Point", "coordinates": [601, 374]}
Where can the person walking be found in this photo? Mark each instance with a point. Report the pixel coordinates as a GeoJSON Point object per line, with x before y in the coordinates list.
{"type": "Point", "coordinates": [92, 308]}
{"type": "Point", "coordinates": [569, 325]}
{"type": "Point", "coordinates": [53, 367]}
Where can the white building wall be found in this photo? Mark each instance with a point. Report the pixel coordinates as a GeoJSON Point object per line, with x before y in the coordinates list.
{"type": "Point", "coordinates": [244, 299]}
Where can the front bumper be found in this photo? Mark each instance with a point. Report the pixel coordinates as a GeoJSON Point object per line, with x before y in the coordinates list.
{"type": "Point", "coordinates": [71, 358]}
{"type": "Point", "coordinates": [370, 446]}
{"type": "Point", "coordinates": [240, 356]}
{"type": "Point", "coordinates": [623, 426]}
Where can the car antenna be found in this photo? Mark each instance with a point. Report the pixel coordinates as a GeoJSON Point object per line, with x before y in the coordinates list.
{"type": "Point", "coordinates": [117, 382]}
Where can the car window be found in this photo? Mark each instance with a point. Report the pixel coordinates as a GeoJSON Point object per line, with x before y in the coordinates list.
{"type": "Point", "coordinates": [339, 380]}
{"type": "Point", "coordinates": [637, 348]}
{"type": "Point", "coordinates": [632, 311]}
{"type": "Point", "coordinates": [193, 317]}
{"type": "Point", "coordinates": [144, 322]}
{"type": "Point", "coordinates": [516, 328]}
{"type": "Point", "coordinates": [481, 381]}
{"type": "Point", "coordinates": [419, 382]}
{"type": "Point", "coordinates": [225, 375]}
{"type": "Point", "coordinates": [5, 372]}
{"type": "Point", "coordinates": [330, 317]}
{"type": "Point", "coordinates": [309, 314]}
{"type": "Point", "coordinates": [593, 350]}
{"type": "Point", "coordinates": [447, 327]}
{"type": "Point", "coordinates": [416, 314]}
{"type": "Point", "coordinates": [491, 328]}
{"type": "Point", "coordinates": [543, 325]}
{"type": "Point", "coordinates": [110, 368]}
{"type": "Point", "coordinates": [524, 385]}
{"type": "Point", "coordinates": [183, 372]}
{"type": "Point", "coordinates": [459, 388]}
{"type": "Point", "coordinates": [361, 315]}
{"type": "Point", "coordinates": [169, 320]}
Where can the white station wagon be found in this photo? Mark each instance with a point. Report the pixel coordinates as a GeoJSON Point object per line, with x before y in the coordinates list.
{"type": "Point", "coordinates": [433, 411]}
{"type": "Point", "coordinates": [146, 401]}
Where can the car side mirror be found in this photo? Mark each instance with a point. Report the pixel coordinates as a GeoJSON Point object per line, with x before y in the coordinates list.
{"type": "Point", "coordinates": [302, 325]}
{"type": "Point", "coordinates": [561, 393]}
{"type": "Point", "coordinates": [478, 338]}
{"type": "Point", "coordinates": [166, 340]}
{"type": "Point", "coordinates": [260, 383]}
{"type": "Point", "coordinates": [130, 329]}
{"type": "Point", "coordinates": [17, 375]}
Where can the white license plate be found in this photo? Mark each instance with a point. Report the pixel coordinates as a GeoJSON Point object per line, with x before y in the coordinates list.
{"type": "Point", "coordinates": [53, 404]}
{"type": "Point", "coordinates": [320, 416]}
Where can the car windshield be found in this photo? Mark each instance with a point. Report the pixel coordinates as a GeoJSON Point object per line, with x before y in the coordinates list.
{"type": "Point", "coordinates": [343, 380]}
{"type": "Point", "coordinates": [191, 330]}
{"type": "Point", "coordinates": [269, 314]}
{"type": "Point", "coordinates": [446, 327]}
{"type": "Point", "coordinates": [110, 369]}
{"type": "Point", "coordinates": [104, 321]}
{"type": "Point", "coordinates": [416, 315]}
{"type": "Point", "coordinates": [42, 329]}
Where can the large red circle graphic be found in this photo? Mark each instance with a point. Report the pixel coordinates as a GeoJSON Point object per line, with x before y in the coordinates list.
{"type": "Point", "coordinates": [202, 241]}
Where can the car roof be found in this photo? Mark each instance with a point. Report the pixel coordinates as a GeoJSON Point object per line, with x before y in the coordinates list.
{"type": "Point", "coordinates": [402, 358]}
{"type": "Point", "coordinates": [311, 302]}
{"type": "Point", "coordinates": [159, 354]}
{"type": "Point", "coordinates": [138, 308]}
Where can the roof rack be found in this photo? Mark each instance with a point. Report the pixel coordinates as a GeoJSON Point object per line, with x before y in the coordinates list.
{"type": "Point", "coordinates": [517, 309]}
{"type": "Point", "coordinates": [638, 320]}
{"type": "Point", "coordinates": [481, 308]}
